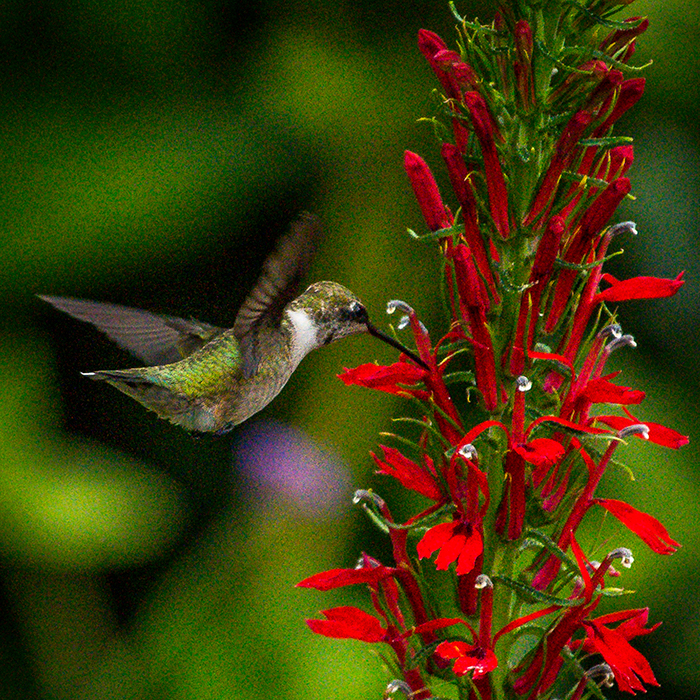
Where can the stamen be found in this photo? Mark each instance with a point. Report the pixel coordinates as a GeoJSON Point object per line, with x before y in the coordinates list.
{"type": "Point", "coordinates": [636, 429]}
{"type": "Point", "coordinates": [622, 341]}
{"type": "Point", "coordinates": [362, 495]}
{"type": "Point", "coordinates": [468, 451]}
{"type": "Point", "coordinates": [623, 227]}
{"type": "Point", "coordinates": [483, 581]}
{"type": "Point", "coordinates": [522, 383]}
{"type": "Point", "coordinates": [395, 304]}
{"type": "Point", "coordinates": [624, 555]}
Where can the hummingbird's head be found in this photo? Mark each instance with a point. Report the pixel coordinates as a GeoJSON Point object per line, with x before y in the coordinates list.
{"type": "Point", "coordinates": [333, 310]}
{"type": "Point", "coordinates": [327, 311]}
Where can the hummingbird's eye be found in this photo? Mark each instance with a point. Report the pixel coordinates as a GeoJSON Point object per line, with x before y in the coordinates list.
{"type": "Point", "coordinates": [356, 312]}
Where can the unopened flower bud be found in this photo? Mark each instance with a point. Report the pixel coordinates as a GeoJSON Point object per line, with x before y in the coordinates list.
{"type": "Point", "coordinates": [523, 383]}
{"type": "Point", "coordinates": [624, 555]}
{"type": "Point", "coordinates": [483, 581]}
{"type": "Point", "coordinates": [636, 429]}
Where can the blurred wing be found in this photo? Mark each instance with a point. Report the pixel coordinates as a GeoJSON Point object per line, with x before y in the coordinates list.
{"type": "Point", "coordinates": [275, 288]}
{"type": "Point", "coordinates": [154, 339]}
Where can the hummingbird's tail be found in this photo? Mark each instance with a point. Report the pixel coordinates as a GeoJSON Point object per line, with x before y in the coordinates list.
{"type": "Point", "coordinates": [146, 390]}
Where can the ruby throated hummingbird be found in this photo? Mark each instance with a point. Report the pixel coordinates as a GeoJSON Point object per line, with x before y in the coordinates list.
{"type": "Point", "coordinates": [209, 379]}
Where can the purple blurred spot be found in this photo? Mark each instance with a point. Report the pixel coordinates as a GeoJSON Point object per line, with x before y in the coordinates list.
{"type": "Point", "coordinates": [275, 460]}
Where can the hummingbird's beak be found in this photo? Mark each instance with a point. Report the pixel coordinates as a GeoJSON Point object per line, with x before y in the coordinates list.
{"type": "Point", "coordinates": [373, 330]}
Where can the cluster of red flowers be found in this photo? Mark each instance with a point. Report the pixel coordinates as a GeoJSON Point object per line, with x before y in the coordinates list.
{"type": "Point", "coordinates": [537, 176]}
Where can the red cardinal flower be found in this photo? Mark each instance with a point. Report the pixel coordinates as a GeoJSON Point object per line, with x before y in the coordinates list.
{"type": "Point", "coordinates": [631, 669]}
{"type": "Point", "coordinates": [393, 379]}
{"type": "Point", "coordinates": [468, 657]}
{"type": "Point", "coordinates": [411, 475]}
{"type": "Point", "coordinates": [457, 541]}
{"type": "Point", "coordinates": [642, 524]}
{"type": "Point", "coordinates": [639, 288]}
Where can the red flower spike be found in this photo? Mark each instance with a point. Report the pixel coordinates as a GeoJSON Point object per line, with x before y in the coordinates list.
{"type": "Point", "coordinates": [485, 133]}
{"type": "Point", "coordinates": [348, 622]}
{"type": "Point", "coordinates": [645, 526]}
{"type": "Point", "coordinates": [408, 473]}
{"type": "Point", "coordinates": [426, 190]}
{"type": "Point", "coordinates": [639, 288]}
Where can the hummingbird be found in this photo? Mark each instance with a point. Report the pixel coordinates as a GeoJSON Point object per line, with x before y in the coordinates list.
{"type": "Point", "coordinates": [209, 379]}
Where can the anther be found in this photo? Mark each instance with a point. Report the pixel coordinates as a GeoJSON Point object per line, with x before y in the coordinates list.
{"type": "Point", "coordinates": [362, 495]}
{"type": "Point", "coordinates": [601, 674]}
{"type": "Point", "coordinates": [622, 341]}
{"type": "Point", "coordinates": [395, 304]}
{"type": "Point", "coordinates": [623, 227]}
{"type": "Point", "coordinates": [468, 451]}
{"type": "Point", "coordinates": [624, 555]}
{"type": "Point", "coordinates": [614, 330]}
{"type": "Point", "coordinates": [522, 383]}
{"type": "Point", "coordinates": [483, 581]}
{"type": "Point", "coordinates": [398, 686]}
{"type": "Point", "coordinates": [637, 429]}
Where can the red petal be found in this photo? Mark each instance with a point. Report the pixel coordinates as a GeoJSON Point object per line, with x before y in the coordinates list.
{"type": "Point", "coordinates": [645, 526]}
{"type": "Point", "coordinates": [471, 550]}
{"type": "Point", "coordinates": [435, 538]}
{"type": "Point", "coordinates": [408, 473]}
{"type": "Point", "coordinates": [639, 288]}
{"type": "Point", "coordinates": [426, 190]}
{"type": "Point", "coordinates": [348, 623]}
{"type": "Point", "coordinates": [603, 391]}
{"type": "Point", "coordinates": [542, 452]}
{"type": "Point", "coordinates": [384, 377]}
{"type": "Point", "coordinates": [336, 578]}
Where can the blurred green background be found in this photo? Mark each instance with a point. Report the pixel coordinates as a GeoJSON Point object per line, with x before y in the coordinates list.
{"type": "Point", "coordinates": [151, 153]}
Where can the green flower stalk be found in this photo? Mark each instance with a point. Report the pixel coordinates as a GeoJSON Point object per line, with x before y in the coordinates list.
{"type": "Point", "coordinates": [530, 102]}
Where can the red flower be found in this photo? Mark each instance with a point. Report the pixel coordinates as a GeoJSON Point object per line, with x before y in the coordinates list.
{"type": "Point", "coordinates": [410, 474]}
{"type": "Point", "coordinates": [628, 665]}
{"type": "Point", "coordinates": [639, 288]}
{"type": "Point", "coordinates": [337, 578]}
{"type": "Point", "coordinates": [457, 541]}
{"type": "Point", "coordinates": [389, 378]}
{"type": "Point", "coordinates": [645, 526]}
{"type": "Point", "coordinates": [658, 434]}
{"type": "Point", "coordinates": [348, 622]}
{"type": "Point", "coordinates": [542, 452]}
{"type": "Point", "coordinates": [602, 391]}
{"type": "Point", "coordinates": [468, 657]}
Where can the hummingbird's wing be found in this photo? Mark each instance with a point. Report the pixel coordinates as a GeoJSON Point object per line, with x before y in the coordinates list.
{"type": "Point", "coordinates": [154, 339]}
{"type": "Point", "coordinates": [275, 288]}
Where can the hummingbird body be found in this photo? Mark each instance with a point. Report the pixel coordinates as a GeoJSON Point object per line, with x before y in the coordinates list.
{"type": "Point", "coordinates": [210, 379]}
